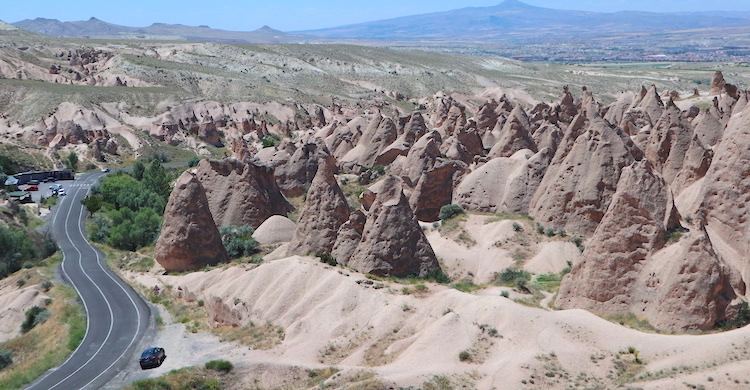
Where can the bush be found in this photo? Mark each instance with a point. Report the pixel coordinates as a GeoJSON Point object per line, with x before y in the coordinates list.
{"type": "Point", "coordinates": [34, 316]}
{"type": "Point", "coordinates": [238, 240]}
{"type": "Point", "coordinates": [47, 285]}
{"type": "Point", "coordinates": [219, 365]}
{"type": "Point", "coordinates": [138, 170]}
{"type": "Point", "coordinates": [517, 227]}
{"type": "Point", "coordinates": [72, 161]}
{"type": "Point", "coordinates": [327, 258]}
{"type": "Point", "coordinates": [449, 211]}
{"type": "Point", "coordinates": [6, 358]}
{"type": "Point", "coordinates": [194, 162]}
{"type": "Point", "coordinates": [511, 275]}
{"type": "Point", "coordinates": [437, 276]}
{"type": "Point", "coordinates": [464, 356]}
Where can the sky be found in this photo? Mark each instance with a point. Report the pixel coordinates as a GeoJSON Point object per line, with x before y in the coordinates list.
{"type": "Point", "coordinates": [296, 15]}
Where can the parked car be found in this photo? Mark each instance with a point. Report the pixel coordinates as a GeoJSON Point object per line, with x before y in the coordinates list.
{"type": "Point", "coordinates": [34, 182]}
{"type": "Point", "coordinates": [105, 170]}
{"type": "Point", "coordinates": [32, 188]}
{"type": "Point", "coordinates": [152, 357]}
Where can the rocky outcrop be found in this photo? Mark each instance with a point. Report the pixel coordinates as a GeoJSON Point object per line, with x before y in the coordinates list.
{"type": "Point", "coordinates": [274, 230]}
{"type": "Point", "coordinates": [325, 210]}
{"type": "Point", "coordinates": [421, 157]}
{"type": "Point", "coordinates": [577, 188]}
{"type": "Point", "coordinates": [515, 135]}
{"type": "Point", "coordinates": [708, 128]}
{"type": "Point", "coordinates": [688, 289]}
{"type": "Point", "coordinates": [726, 189]}
{"type": "Point", "coordinates": [503, 185]}
{"type": "Point", "coordinates": [435, 189]}
{"type": "Point", "coordinates": [414, 129]}
{"type": "Point", "coordinates": [241, 192]}
{"type": "Point", "coordinates": [349, 236]}
{"type": "Point", "coordinates": [295, 175]}
{"type": "Point", "coordinates": [189, 238]}
{"type": "Point", "coordinates": [392, 242]}
{"type": "Point", "coordinates": [717, 83]}
{"type": "Point", "coordinates": [379, 134]}
{"type": "Point", "coordinates": [669, 142]}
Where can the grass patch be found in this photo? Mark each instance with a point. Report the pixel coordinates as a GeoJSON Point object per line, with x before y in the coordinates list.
{"type": "Point", "coordinates": [188, 378]}
{"type": "Point", "coordinates": [261, 337]}
{"type": "Point", "coordinates": [632, 321]}
{"type": "Point", "coordinates": [507, 217]}
{"type": "Point", "coordinates": [450, 225]}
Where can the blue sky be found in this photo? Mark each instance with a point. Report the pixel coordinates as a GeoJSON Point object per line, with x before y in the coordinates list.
{"type": "Point", "coordinates": [291, 15]}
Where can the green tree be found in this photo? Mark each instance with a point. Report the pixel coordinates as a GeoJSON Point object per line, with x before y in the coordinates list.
{"type": "Point", "coordinates": [93, 203]}
{"type": "Point", "coordinates": [449, 211]}
{"type": "Point", "coordinates": [138, 170]}
{"type": "Point", "coordinates": [155, 179]}
{"type": "Point", "coordinates": [133, 230]}
{"type": "Point", "coordinates": [73, 161]}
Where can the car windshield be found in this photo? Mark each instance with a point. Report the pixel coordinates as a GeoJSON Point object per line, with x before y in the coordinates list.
{"type": "Point", "coordinates": [148, 353]}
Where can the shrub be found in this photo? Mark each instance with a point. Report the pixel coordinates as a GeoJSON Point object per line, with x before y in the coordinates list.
{"type": "Point", "coordinates": [327, 258]}
{"type": "Point", "coordinates": [539, 228]}
{"type": "Point", "coordinates": [238, 240]}
{"type": "Point", "coordinates": [505, 294]}
{"type": "Point", "coordinates": [194, 162]}
{"type": "Point", "coordinates": [34, 316]}
{"type": "Point", "coordinates": [511, 275]}
{"type": "Point", "coordinates": [219, 365]}
{"type": "Point", "coordinates": [47, 285]}
{"type": "Point", "coordinates": [138, 170]}
{"type": "Point", "coordinates": [517, 227]}
{"type": "Point", "coordinates": [72, 161]}
{"type": "Point", "coordinates": [549, 232]}
{"type": "Point", "coordinates": [464, 356]}
{"type": "Point", "coordinates": [6, 358]}
{"type": "Point", "coordinates": [437, 276]}
{"type": "Point", "coordinates": [449, 211]}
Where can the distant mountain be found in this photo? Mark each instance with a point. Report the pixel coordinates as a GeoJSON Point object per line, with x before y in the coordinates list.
{"type": "Point", "coordinates": [515, 20]}
{"type": "Point", "coordinates": [95, 28]}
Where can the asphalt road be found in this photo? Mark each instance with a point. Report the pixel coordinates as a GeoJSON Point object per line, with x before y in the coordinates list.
{"type": "Point", "coordinates": [117, 316]}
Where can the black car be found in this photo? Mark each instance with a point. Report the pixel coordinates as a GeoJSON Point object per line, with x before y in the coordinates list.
{"type": "Point", "coordinates": [152, 357]}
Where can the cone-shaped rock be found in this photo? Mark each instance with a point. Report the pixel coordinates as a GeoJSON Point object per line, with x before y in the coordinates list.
{"type": "Point", "coordinates": [392, 241]}
{"type": "Point", "coordinates": [435, 189]}
{"type": "Point", "coordinates": [189, 239]}
{"type": "Point", "coordinates": [325, 210]}
{"type": "Point", "coordinates": [349, 236]}
{"type": "Point", "coordinates": [669, 142]}
{"type": "Point", "coordinates": [576, 191]}
{"type": "Point", "coordinates": [726, 192]}
{"type": "Point", "coordinates": [241, 193]}
{"type": "Point", "coordinates": [295, 176]}
{"type": "Point", "coordinates": [515, 135]}
{"type": "Point", "coordinates": [634, 226]}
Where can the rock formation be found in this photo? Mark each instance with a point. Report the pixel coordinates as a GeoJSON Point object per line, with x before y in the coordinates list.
{"type": "Point", "coordinates": [392, 242]}
{"type": "Point", "coordinates": [325, 210]}
{"type": "Point", "coordinates": [618, 273]}
{"type": "Point", "coordinates": [515, 135]}
{"type": "Point", "coordinates": [296, 174]}
{"type": "Point", "coordinates": [189, 238]}
{"type": "Point", "coordinates": [577, 189]}
{"type": "Point", "coordinates": [241, 193]}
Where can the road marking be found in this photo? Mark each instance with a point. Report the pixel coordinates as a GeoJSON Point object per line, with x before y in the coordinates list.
{"type": "Point", "coordinates": [88, 322]}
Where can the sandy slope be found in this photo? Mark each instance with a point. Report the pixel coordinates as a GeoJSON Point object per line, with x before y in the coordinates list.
{"type": "Point", "coordinates": [331, 316]}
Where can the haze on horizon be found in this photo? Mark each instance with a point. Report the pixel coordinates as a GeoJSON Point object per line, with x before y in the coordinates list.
{"type": "Point", "coordinates": [297, 15]}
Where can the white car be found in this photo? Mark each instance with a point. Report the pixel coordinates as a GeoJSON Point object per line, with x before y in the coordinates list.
{"type": "Point", "coordinates": [61, 192]}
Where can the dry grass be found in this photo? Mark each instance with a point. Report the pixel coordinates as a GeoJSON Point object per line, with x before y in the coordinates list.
{"type": "Point", "coordinates": [48, 344]}
{"type": "Point", "coordinates": [261, 337]}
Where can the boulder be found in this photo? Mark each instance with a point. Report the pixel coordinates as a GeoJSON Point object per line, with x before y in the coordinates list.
{"type": "Point", "coordinates": [189, 238]}
{"type": "Point", "coordinates": [276, 229]}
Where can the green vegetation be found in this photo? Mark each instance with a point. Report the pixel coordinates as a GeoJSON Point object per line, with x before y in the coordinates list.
{"type": "Point", "coordinates": [187, 378]}
{"type": "Point", "coordinates": [127, 211]}
{"type": "Point", "coordinates": [219, 365]}
{"type": "Point", "coordinates": [72, 161]}
{"type": "Point", "coordinates": [6, 358]}
{"type": "Point", "coordinates": [327, 258]}
{"type": "Point", "coordinates": [34, 316]}
{"type": "Point", "coordinates": [21, 246]}
{"type": "Point", "coordinates": [742, 319]}
{"type": "Point", "coordinates": [449, 211]}
{"type": "Point", "coordinates": [238, 240]}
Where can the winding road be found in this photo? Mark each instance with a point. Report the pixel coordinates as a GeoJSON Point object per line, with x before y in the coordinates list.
{"type": "Point", "coordinates": [117, 316]}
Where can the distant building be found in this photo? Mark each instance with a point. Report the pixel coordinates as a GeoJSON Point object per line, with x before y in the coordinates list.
{"type": "Point", "coordinates": [25, 177]}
